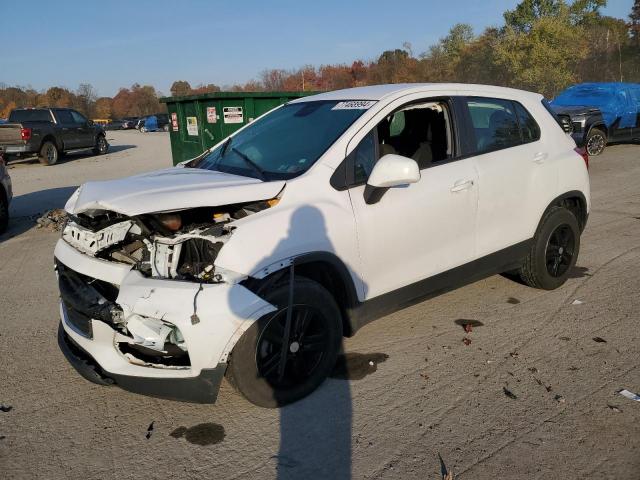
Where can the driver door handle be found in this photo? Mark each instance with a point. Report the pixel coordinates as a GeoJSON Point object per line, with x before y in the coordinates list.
{"type": "Point", "coordinates": [462, 185]}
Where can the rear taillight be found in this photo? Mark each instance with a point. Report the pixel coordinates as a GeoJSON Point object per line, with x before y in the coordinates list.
{"type": "Point", "coordinates": [584, 154]}
{"type": "Point", "coordinates": [25, 134]}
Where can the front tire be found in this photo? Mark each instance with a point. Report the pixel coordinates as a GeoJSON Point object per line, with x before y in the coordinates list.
{"type": "Point", "coordinates": [4, 211]}
{"type": "Point", "coordinates": [554, 252]}
{"type": "Point", "coordinates": [270, 374]}
{"type": "Point", "coordinates": [101, 146]}
{"type": "Point", "coordinates": [596, 142]}
{"type": "Point", "coordinates": [49, 153]}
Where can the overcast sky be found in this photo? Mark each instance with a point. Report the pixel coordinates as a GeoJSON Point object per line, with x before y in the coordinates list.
{"type": "Point", "coordinates": [112, 44]}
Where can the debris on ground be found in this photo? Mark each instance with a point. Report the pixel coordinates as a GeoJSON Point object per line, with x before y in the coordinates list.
{"type": "Point", "coordinates": [444, 471]}
{"type": "Point", "coordinates": [509, 393]}
{"type": "Point", "coordinates": [149, 430]}
{"type": "Point", "coordinates": [577, 302]}
{"type": "Point", "coordinates": [466, 341]}
{"type": "Point", "coordinates": [356, 366]}
{"type": "Point", "coordinates": [599, 340]}
{"type": "Point", "coordinates": [468, 324]}
{"type": "Point", "coordinates": [513, 354]}
{"type": "Point", "coordinates": [5, 408]}
{"type": "Point", "coordinates": [629, 395]}
{"type": "Point", "coordinates": [53, 220]}
{"type": "Point", "coordinates": [614, 408]}
{"type": "Point", "coordinates": [559, 398]}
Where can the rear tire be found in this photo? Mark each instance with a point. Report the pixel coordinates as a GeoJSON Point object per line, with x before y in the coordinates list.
{"type": "Point", "coordinates": [314, 343]}
{"type": "Point", "coordinates": [596, 142]}
{"type": "Point", "coordinates": [554, 252]}
{"type": "Point", "coordinates": [49, 153]}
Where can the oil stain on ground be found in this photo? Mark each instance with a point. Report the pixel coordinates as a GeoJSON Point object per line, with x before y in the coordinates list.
{"type": "Point", "coordinates": [356, 366]}
{"type": "Point", "coordinates": [201, 434]}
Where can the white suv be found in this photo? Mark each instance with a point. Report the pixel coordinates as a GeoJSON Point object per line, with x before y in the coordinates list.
{"type": "Point", "coordinates": [256, 258]}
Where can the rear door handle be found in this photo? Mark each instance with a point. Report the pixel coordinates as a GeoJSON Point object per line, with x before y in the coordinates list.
{"type": "Point", "coordinates": [540, 157]}
{"type": "Point", "coordinates": [462, 185]}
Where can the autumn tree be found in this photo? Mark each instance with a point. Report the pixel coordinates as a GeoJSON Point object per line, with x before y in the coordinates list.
{"type": "Point", "coordinates": [103, 107]}
{"type": "Point", "coordinates": [180, 88]}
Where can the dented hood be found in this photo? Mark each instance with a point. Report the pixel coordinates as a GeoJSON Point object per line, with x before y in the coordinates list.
{"type": "Point", "coordinates": [170, 189]}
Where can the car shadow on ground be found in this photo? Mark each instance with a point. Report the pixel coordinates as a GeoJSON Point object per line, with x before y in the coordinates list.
{"type": "Point", "coordinates": [27, 208]}
{"type": "Point", "coordinates": [69, 157]}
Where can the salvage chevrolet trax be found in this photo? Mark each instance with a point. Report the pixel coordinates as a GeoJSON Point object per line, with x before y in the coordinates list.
{"type": "Point", "coordinates": [253, 260]}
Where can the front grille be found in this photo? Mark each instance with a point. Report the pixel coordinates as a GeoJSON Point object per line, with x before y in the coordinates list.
{"type": "Point", "coordinates": [86, 298]}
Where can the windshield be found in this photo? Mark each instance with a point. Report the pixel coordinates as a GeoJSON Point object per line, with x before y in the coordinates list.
{"type": "Point", "coordinates": [286, 142]}
{"type": "Point", "coordinates": [589, 97]}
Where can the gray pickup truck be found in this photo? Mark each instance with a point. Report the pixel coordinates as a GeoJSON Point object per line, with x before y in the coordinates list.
{"type": "Point", "coordinates": [49, 133]}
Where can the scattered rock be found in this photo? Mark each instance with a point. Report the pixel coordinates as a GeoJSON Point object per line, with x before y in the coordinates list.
{"type": "Point", "coordinates": [356, 366]}
{"type": "Point", "coordinates": [599, 340]}
{"type": "Point", "coordinates": [514, 354]}
{"type": "Point", "coordinates": [509, 393]}
{"type": "Point", "coordinates": [559, 398]}
{"type": "Point", "coordinates": [533, 369]}
{"type": "Point", "coordinates": [5, 408]}
{"type": "Point", "coordinates": [149, 430]}
{"type": "Point", "coordinates": [468, 324]}
{"type": "Point", "coordinates": [513, 301]}
{"type": "Point", "coordinates": [614, 408]}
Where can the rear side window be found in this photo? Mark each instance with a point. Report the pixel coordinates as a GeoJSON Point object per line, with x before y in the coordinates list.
{"type": "Point", "coordinates": [528, 126]}
{"type": "Point", "coordinates": [495, 124]}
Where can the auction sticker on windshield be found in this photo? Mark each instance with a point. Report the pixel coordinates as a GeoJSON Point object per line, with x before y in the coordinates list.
{"type": "Point", "coordinates": [354, 105]}
{"type": "Point", "coordinates": [232, 114]}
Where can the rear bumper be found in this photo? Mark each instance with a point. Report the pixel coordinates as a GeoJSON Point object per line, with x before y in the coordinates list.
{"type": "Point", "coordinates": [16, 149]}
{"type": "Point", "coordinates": [201, 389]}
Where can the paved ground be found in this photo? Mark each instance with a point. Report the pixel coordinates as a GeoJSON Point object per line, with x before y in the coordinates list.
{"type": "Point", "coordinates": [432, 394]}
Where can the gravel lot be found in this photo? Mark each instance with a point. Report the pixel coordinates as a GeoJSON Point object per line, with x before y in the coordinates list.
{"type": "Point", "coordinates": [428, 392]}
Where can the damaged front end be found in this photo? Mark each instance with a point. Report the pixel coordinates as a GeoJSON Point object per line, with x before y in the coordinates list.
{"type": "Point", "coordinates": [148, 287]}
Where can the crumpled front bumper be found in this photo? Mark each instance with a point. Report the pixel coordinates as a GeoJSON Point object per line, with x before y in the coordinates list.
{"type": "Point", "coordinates": [224, 312]}
{"type": "Point", "coordinates": [200, 389]}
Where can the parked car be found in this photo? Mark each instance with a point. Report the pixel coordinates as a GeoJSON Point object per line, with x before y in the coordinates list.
{"type": "Point", "coordinates": [155, 123]}
{"type": "Point", "coordinates": [601, 113]}
{"type": "Point", "coordinates": [129, 123]}
{"type": "Point", "coordinates": [114, 124]}
{"type": "Point", "coordinates": [6, 193]}
{"type": "Point", "coordinates": [49, 133]}
{"type": "Point", "coordinates": [254, 259]}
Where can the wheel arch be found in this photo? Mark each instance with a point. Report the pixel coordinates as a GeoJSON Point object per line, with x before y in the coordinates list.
{"type": "Point", "coordinates": [328, 270]}
{"type": "Point", "coordinates": [51, 138]}
{"type": "Point", "coordinates": [600, 125]}
{"type": "Point", "coordinates": [575, 202]}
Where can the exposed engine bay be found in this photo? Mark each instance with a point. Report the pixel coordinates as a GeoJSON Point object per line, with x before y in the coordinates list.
{"type": "Point", "coordinates": [180, 245]}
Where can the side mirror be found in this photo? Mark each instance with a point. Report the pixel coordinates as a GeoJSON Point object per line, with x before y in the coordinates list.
{"type": "Point", "coordinates": [390, 171]}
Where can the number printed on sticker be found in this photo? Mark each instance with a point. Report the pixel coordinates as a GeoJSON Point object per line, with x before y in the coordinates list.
{"type": "Point", "coordinates": [354, 105]}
